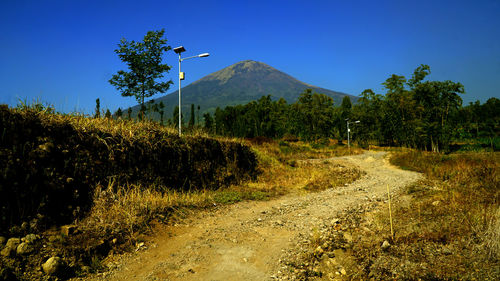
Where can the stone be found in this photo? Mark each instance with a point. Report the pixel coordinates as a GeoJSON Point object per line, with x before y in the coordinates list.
{"type": "Point", "coordinates": [10, 247]}
{"type": "Point", "coordinates": [24, 248]}
{"type": "Point", "coordinates": [52, 265]}
{"type": "Point", "coordinates": [348, 237]}
{"type": "Point", "coordinates": [318, 251]}
{"type": "Point", "coordinates": [24, 226]}
{"type": "Point", "coordinates": [67, 230]}
{"type": "Point", "coordinates": [7, 252]}
{"type": "Point", "coordinates": [12, 243]}
{"type": "Point", "coordinates": [31, 238]}
{"type": "Point", "coordinates": [386, 245]}
{"type": "Point", "coordinates": [446, 250]}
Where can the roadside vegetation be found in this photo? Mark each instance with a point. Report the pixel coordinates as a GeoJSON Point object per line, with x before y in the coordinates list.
{"type": "Point", "coordinates": [88, 187]}
{"type": "Point", "coordinates": [445, 227]}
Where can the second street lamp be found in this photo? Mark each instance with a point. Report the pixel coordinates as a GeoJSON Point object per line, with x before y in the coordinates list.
{"type": "Point", "coordinates": [348, 133]}
{"type": "Point", "coordinates": [180, 50]}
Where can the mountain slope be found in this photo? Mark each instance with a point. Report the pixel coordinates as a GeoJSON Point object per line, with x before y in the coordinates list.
{"type": "Point", "coordinates": [240, 83]}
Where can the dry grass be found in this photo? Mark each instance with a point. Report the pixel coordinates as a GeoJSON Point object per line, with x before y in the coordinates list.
{"type": "Point", "coordinates": [446, 226]}
{"type": "Point", "coordinates": [125, 210]}
{"type": "Point", "coordinates": [128, 210]}
{"type": "Point", "coordinates": [289, 168]}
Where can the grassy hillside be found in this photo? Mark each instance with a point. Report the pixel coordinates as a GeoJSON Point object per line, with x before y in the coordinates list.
{"type": "Point", "coordinates": [49, 158]}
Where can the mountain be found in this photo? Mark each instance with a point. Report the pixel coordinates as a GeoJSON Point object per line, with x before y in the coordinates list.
{"type": "Point", "coordinates": [240, 83]}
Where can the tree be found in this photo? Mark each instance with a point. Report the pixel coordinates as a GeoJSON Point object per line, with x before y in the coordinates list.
{"type": "Point", "coordinates": [209, 122]}
{"type": "Point", "coordinates": [107, 115]}
{"type": "Point", "coordinates": [144, 62]}
{"type": "Point", "coordinates": [161, 107]}
{"type": "Point", "coordinates": [198, 116]}
{"type": "Point", "coordinates": [175, 117]}
{"type": "Point", "coordinates": [191, 118]}
{"type": "Point", "coordinates": [129, 113]}
{"type": "Point", "coordinates": [118, 113]}
{"type": "Point", "coordinates": [97, 108]}
{"type": "Point", "coordinates": [341, 114]}
{"type": "Point", "coordinates": [313, 116]}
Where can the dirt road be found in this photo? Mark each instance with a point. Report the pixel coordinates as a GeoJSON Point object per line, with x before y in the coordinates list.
{"type": "Point", "coordinates": [245, 241]}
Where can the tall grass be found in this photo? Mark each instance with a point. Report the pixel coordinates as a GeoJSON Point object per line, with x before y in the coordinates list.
{"type": "Point", "coordinates": [456, 211]}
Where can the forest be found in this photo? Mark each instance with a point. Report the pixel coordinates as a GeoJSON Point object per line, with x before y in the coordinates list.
{"type": "Point", "coordinates": [427, 115]}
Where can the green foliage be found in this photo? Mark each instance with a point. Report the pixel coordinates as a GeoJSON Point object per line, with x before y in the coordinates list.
{"type": "Point", "coordinates": [209, 122]}
{"type": "Point", "coordinates": [175, 117]}
{"type": "Point", "coordinates": [97, 108]}
{"type": "Point", "coordinates": [161, 111]}
{"type": "Point", "coordinates": [144, 62]}
{"type": "Point", "coordinates": [414, 113]}
{"type": "Point", "coordinates": [311, 117]}
{"type": "Point", "coordinates": [129, 113]}
{"type": "Point", "coordinates": [191, 118]}
{"type": "Point", "coordinates": [119, 113]}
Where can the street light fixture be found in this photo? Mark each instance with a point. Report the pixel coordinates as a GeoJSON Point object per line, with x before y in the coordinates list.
{"type": "Point", "coordinates": [348, 133]}
{"type": "Point", "coordinates": [180, 50]}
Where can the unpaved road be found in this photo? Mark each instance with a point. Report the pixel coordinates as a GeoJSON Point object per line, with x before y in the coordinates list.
{"type": "Point", "coordinates": [244, 241]}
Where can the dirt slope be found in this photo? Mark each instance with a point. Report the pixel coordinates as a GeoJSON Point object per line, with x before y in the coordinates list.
{"type": "Point", "coordinates": [245, 241]}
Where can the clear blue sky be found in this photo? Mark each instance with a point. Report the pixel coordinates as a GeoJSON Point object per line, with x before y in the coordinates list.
{"type": "Point", "coordinates": [62, 52]}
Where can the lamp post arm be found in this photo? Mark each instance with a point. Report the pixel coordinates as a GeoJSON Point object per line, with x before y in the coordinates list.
{"type": "Point", "coordinates": [183, 59]}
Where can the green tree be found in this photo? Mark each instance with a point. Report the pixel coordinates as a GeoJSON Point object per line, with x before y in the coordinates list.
{"type": "Point", "coordinates": [313, 116]}
{"type": "Point", "coordinates": [161, 110]}
{"type": "Point", "coordinates": [118, 113]}
{"type": "Point", "coordinates": [97, 108]}
{"type": "Point", "coordinates": [107, 115]}
{"type": "Point", "coordinates": [129, 113]}
{"type": "Point", "coordinates": [198, 116]}
{"type": "Point", "coordinates": [340, 115]}
{"type": "Point", "coordinates": [144, 60]}
{"type": "Point", "coordinates": [209, 122]}
{"type": "Point", "coordinates": [191, 118]}
{"type": "Point", "coordinates": [175, 117]}
{"type": "Point", "coordinates": [368, 111]}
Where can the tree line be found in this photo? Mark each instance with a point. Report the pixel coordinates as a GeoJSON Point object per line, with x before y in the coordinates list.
{"type": "Point", "coordinates": [414, 113]}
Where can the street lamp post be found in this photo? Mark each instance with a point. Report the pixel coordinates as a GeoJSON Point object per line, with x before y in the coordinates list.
{"type": "Point", "coordinates": [348, 133]}
{"type": "Point", "coordinates": [180, 50]}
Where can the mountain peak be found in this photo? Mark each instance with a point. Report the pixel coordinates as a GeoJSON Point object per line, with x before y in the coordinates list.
{"type": "Point", "coordinates": [240, 83]}
{"type": "Point", "coordinates": [240, 68]}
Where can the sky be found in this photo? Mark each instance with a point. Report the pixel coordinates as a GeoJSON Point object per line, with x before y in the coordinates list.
{"type": "Point", "coordinates": [62, 52]}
